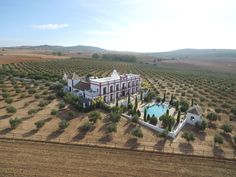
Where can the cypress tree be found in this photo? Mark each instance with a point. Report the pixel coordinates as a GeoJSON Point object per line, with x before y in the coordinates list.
{"type": "Point", "coordinates": [128, 99]}
{"type": "Point", "coordinates": [136, 103]}
{"type": "Point", "coordinates": [145, 115]}
{"type": "Point", "coordinates": [167, 112]}
{"type": "Point", "coordinates": [117, 102]}
{"type": "Point", "coordinates": [178, 117]}
{"type": "Point", "coordinates": [177, 105]}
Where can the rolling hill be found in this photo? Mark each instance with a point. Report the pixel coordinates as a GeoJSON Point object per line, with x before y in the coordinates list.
{"type": "Point", "coordinates": [196, 53]}
{"type": "Point", "coordinates": [77, 48]}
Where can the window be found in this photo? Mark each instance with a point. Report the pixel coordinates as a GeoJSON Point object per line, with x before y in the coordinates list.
{"type": "Point", "coordinates": [123, 86]}
{"type": "Point", "coordinates": [192, 118]}
{"type": "Point", "coordinates": [104, 90]}
{"type": "Point", "coordinates": [111, 88]}
{"type": "Point", "coordinates": [117, 87]}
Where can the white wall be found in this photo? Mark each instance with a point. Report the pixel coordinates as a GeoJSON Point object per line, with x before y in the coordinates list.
{"type": "Point", "coordinates": [69, 83]}
{"type": "Point", "coordinates": [196, 118]}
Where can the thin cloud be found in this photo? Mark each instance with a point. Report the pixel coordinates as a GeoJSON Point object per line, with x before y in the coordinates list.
{"type": "Point", "coordinates": [50, 26]}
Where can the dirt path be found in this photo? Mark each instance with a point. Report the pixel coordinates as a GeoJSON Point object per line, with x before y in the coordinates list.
{"type": "Point", "coordinates": [24, 158]}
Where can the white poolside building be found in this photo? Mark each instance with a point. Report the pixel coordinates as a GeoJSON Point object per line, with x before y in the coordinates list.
{"type": "Point", "coordinates": [110, 88]}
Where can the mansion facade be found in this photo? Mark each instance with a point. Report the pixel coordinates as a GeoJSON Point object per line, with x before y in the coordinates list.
{"type": "Point", "coordinates": [109, 88]}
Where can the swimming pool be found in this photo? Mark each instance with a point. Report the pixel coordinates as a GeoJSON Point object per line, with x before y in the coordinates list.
{"type": "Point", "coordinates": [156, 110]}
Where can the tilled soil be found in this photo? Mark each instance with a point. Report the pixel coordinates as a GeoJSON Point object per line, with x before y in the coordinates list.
{"type": "Point", "coordinates": [26, 158]}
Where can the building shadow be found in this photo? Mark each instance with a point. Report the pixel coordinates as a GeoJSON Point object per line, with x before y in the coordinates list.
{"type": "Point", "coordinates": [186, 148]}
{"type": "Point", "coordinates": [105, 139]}
{"type": "Point", "coordinates": [30, 133]}
{"type": "Point", "coordinates": [217, 151]}
{"type": "Point", "coordinates": [5, 131]}
{"type": "Point", "coordinates": [132, 143]}
{"type": "Point", "coordinates": [54, 134]}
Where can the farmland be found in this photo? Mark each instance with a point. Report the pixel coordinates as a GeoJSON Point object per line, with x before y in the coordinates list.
{"type": "Point", "coordinates": [35, 100]}
{"type": "Point", "coordinates": [22, 158]}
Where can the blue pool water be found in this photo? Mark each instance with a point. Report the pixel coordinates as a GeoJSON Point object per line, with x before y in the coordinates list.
{"type": "Point", "coordinates": [157, 110]}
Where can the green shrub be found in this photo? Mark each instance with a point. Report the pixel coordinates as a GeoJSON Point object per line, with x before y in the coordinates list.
{"type": "Point", "coordinates": [37, 96]}
{"type": "Point", "coordinates": [11, 109]}
{"type": "Point", "coordinates": [39, 124]}
{"type": "Point", "coordinates": [54, 112]}
{"type": "Point", "coordinates": [188, 136]}
{"type": "Point", "coordinates": [112, 127]}
{"type": "Point", "coordinates": [227, 128]}
{"type": "Point", "coordinates": [218, 139]}
{"type": "Point", "coordinates": [94, 116]}
{"type": "Point", "coordinates": [87, 126]}
{"type": "Point", "coordinates": [15, 122]}
{"type": "Point", "coordinates": [8, 100]}
{"type": "Point", "coordinates": [43, 103]}
{"type": "Point", "coordinates": [212, 116]}
{"type": "Point", "coordinates": [115, 116]}
{"type": "Point", "coordinates": [31, 91]}
{"type": "Point", "coordinates": [135, 118]}
{"type": "Point", "coordinates": [71, 114]}
{"type": "Point", "coordinates": [18, 90]}
{"type": "Point", "coordinates": [63, 124]}
{"type": "Point", "coordinates": [5, 94]}
{"type": "Point", "coordinates": [32, 111]}
{"type": "Point", "coordinates": [202, 125]}
{"type": "Point", "coordinates": [153, 120]}
{"type": "Point", "coordinates": [137, 132]}
{"type": "Point", "coordinates": [62, 104]}
{"type": "Point", "coordinates": [51, 97]}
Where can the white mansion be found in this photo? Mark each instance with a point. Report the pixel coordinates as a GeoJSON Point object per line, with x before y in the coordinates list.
{"type": "Point", "coordinates": [110, 88]}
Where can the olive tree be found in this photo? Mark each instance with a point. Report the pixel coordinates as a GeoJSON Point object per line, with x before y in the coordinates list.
{"type": "Point", "coordinates": [137, 132]}
{"type": "Point", "coordinates": [188, 136]}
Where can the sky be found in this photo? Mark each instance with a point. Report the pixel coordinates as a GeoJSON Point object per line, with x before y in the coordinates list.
{"type": "Point", "coordinates": [122, 25]}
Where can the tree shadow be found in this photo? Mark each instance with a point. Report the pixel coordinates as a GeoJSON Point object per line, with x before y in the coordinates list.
{"type": "Point", "coordinates": [132, 143]}
{"type": "Point", "coordinates": [201, 135]}
{"type": "Point", "coordinates": [186, 148]}
{"type": "Point", "coordinates": [2, 107]}
{"type": "Point", "coordinates": [27, 118]}
{"type": "Point", "coordinates": [103, 128]}
{"type": "Point", "coordinates": [217, 151]}
{"type": "Point", "coordinates": [54, 134]}
{"type": "Point", "coordinates": [105, 139]}
{"type": "Point", "coordinates": [212, 125]}
{"type": "Point", "coordinates": [106, 119]}
{"type": "Point", "coordinates": [30, 133]}
{"type": "Point", "coordinates": [129, 128]}
{"type": "Point", "coordinates": [5, 131]}
{"type": "Point", "coordinates": [5, 116]}
{"type": "Point", "coordinates": [81, 135]}
{"type": "Point", "coordinates": [228, 138]}
{"type": "Point", "coordinates": [160, 145]}
{"type": "Point", "coordinates": [48, 119]}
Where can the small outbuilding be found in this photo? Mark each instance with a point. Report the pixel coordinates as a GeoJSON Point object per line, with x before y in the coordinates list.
{"type": "Point", "coordinates": [194, 115]}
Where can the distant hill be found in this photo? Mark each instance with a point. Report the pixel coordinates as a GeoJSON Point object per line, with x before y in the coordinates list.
{"type": "Point", "coordinates": [78, 48]}
{"type": "Point", "coordinates": [195, 53]}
